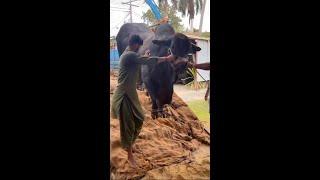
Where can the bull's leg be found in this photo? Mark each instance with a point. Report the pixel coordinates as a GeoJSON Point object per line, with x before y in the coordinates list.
{"type": "Point", "coordinates": [153, 99]}
{"type": "Point", "coordinates": [140, 81]}
{"type": "Point", "coordinates": [165, 100]}
{"type": "Point", "coordinates": [162, 111]}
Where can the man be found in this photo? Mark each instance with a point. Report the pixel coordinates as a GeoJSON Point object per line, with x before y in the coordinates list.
{"type": "Point", "coordinates": [203, 66]}
{"type": "Point", "coordinates": [125, 102]}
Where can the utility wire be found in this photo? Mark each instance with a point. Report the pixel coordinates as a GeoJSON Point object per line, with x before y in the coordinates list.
{"type": "Point", "coordinates": [119, 8]}
{"type": "Point", "coordinates": [121, 21]}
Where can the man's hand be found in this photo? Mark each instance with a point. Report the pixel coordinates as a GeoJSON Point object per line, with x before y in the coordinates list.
{"type": "Point", "coordinates": [147, 53]}
{"type": "Point", "coordinates": [190, 65]}
{"type": "Point", "coordinates": [167, 58]}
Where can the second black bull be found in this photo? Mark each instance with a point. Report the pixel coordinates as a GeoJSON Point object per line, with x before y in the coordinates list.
{"type": "Point", "coordinates": [158, 79]}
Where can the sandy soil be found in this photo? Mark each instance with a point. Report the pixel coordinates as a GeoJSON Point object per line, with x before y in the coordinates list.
{"type": "Point", "coordinates": [176, 147]}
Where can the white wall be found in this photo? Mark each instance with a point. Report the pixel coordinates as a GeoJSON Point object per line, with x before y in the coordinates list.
{"type": "Point", "coordinates": [203, 56]}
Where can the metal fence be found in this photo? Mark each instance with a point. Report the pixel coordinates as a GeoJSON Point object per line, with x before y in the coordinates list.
{"type": "Point", "coordinates": [114, 59]}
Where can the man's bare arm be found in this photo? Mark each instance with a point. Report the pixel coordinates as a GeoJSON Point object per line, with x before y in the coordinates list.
{"type": "Point", "coordinates": [203, 66]}
{"type": "Point", "coordinates": [207, 93]}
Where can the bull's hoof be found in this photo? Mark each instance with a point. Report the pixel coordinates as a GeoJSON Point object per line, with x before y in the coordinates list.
{"type": "Point", "coordinates": [154, 116]}
{"type": "Point", "coordinates": [162, 113]}
{"type": "Point", "coordinates": [165, 115]}
{"type": "Point", "coordinates": [174, 105]}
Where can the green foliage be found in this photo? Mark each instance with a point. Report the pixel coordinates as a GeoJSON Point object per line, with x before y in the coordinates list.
{"type": "Point", "coordinates": [149, 18]}
{"type": "Point", "coordinates": [201, 109]}
{"type": "Point", "coordinates": [165, 2]}
{"type": "Point", "coordinates": [205, 34]}
{"type": "Point", "coordinates": [194, 84]}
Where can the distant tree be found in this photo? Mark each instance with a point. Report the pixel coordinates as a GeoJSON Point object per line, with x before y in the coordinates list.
{"type": "Point", "coordinates": [202, 14]}
{"type": "Point", "coordinates": [190, 8]}
{"type": "Point", "coordinates": [165, 5]}
{"type": "Point", "coordinates": [186, 7]}
{"type": "Point", "coordinates": [149, 18]}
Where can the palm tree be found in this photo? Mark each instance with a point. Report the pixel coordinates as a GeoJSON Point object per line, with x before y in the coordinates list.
{"type": "Point", "coordinates": [202, 14]}
{"type": "Point", "coordinates": [190, 8]}
{"type": "Point", "coordinates": [165, 4]}
{"type": "Point", "coordinates": [186, 7]}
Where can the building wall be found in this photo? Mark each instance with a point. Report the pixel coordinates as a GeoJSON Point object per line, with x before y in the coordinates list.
{"type": "Point", "coordinates": [203, 56]}
{"type": "Point", "coordinates": [114, 55]}
{"type": "Point", "coordinates": [114, 59]}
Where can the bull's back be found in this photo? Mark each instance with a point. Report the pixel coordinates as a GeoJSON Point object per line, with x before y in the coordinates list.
{"type": "Point", "coordinates": [164, 31]}
{"type": "Point", "coordinates": [128, 29]}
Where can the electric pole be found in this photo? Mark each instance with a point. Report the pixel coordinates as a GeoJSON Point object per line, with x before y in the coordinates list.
{"type": "Point", "coordinates": [130, 12]}
{"type": "Point", "coordinates": [130, 8]}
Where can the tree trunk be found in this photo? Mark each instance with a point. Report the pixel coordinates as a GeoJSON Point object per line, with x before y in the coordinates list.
{"type": "Point", "coordinates": [166, 8]}
{"type": "Point", "coordinates": [202, 14]}
{"type": "Point", "coordinates": [191, 25]}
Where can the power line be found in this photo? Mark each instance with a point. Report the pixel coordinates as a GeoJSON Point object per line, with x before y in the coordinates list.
{"type": "Point", "coordinates": [121, 21]}
{"type": "Point", "coordinates": [119, 8]}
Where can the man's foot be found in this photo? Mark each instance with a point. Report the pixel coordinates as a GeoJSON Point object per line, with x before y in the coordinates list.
{"type": "Point", "coordinates": [140, 87]}
{"type": "Point", "coordinates": [132, 162]}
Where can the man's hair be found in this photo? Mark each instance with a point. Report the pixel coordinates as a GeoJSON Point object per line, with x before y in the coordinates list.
{"type": "Point", "coordinates": [135, 39]}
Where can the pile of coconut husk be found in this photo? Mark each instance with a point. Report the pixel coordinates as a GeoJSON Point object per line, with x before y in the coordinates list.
{"type": "Point", "coordinates": [176, 147]}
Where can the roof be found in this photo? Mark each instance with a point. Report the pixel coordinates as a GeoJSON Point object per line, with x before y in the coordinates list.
{"type": "Point", "coordinates": [197, 37]}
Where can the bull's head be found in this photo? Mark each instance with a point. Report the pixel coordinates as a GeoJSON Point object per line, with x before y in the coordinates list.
{"type": "Point", "coordinates": [179, 44]}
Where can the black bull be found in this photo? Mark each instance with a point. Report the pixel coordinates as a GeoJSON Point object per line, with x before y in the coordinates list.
{"type": "Point", "coordinates": [158, 79]}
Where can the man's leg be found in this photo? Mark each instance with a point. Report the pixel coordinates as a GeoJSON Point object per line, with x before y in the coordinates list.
{"type": "Point", "coordinates": [129, 129]}
{"type": "Point", "coordinates": [131, 159]}
{"type": "Point", "coordinates": [138, 125]}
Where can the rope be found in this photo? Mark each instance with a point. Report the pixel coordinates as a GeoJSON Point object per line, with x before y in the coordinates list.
{"type": "Point", "coordinates": [201, 76]}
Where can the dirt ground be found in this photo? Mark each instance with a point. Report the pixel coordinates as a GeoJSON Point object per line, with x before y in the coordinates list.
{"type": "Point", "coordinates": [187, 94]}
{"type": "Point", "coordinates": [177, 147]}
{"type": "Point", "coordinates": [190, 96]}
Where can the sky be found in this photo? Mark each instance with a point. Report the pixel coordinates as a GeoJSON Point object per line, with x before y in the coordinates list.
{"type": "Point", "coordinates": [118, 16]}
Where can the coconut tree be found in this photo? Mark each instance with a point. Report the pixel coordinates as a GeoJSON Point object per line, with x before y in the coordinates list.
{"type": "Point", "coordinates": [186, 7]}
{"type": "Point", "coordinates": [190, 8]}
{"type": "Point", "coordinates": [202, 14]}
{"type": "Point", "coordinates": [165, 5]}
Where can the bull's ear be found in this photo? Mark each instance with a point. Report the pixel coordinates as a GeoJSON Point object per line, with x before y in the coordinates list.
{"type": "Point", "coordinates": [195, 47]}
{"type": "Point", "coordinates": [162, 42]}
